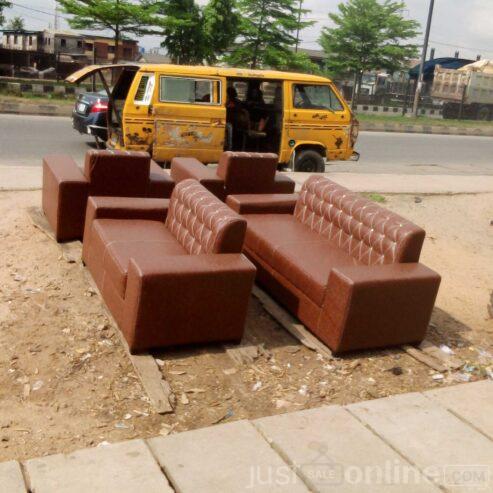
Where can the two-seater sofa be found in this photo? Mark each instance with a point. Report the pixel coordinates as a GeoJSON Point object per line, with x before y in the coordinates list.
{"type": "Point", "coordinates": [236, 173]}
{"type": "Point", "coordinates": [346, 267]}
{"type": "Point", "coordinates": [66, 187]}
{"type": "Point", "coordinates": [170, 271]}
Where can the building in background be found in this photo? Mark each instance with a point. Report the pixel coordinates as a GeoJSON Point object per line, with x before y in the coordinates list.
{"type": "Point", "coordinates": [27, 53]}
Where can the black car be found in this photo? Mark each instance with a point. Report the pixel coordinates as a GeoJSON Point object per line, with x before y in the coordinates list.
{"type": "Point", "coordinates": [89, 114]}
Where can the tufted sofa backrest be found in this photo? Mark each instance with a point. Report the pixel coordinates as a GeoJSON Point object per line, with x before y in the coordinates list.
{"type": "Point", "coordinates": [369, 233]}
{"type": "Point", "coordinates": [201, 222]}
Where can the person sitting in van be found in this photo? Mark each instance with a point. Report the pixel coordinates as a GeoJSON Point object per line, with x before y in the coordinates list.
{"type": "Point", "coordinates": [257, 109]}
{"type": "Point", "coordinates": [237, 120]}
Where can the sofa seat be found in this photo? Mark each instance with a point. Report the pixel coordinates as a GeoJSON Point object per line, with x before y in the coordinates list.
{"type": "Point", "coordinates": [118, 254]}
{"type": "Point", "coordinates": [106, 231]}
{"type": "Point", "coordinates": [299, 254]}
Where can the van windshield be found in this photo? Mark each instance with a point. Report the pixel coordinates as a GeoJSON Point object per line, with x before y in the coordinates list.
{"type": "Point", "coordinates": [317, 97]}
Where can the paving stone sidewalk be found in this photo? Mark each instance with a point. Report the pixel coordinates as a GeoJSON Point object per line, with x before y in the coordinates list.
{"type": "Point", "coordinates": [439, 440]}
{"type": "Point", "coordinates": [14, 178]}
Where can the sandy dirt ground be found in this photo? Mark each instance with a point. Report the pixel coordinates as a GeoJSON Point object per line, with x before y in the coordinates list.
{"type": "Point", "coordinates": [67, 383]}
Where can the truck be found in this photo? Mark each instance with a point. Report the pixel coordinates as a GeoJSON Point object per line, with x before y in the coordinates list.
{"type": "Point", "coordinates": [466, 92]}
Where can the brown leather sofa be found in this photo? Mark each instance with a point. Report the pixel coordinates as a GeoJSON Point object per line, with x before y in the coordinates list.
{"type": "Point", "coordinates": [106, 173]}
{"type": "Point", "coordinates": [346, 267]}
{"type": "Point", "coordinates": [170, 271]}
{"type": "Point", "coordinates": [236, 173]}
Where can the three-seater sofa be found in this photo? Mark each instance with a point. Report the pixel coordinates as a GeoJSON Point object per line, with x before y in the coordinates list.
{"type": "Point", "coordinates": [346, 267]}
{"type": "Point", "coordinates": [170, 271]}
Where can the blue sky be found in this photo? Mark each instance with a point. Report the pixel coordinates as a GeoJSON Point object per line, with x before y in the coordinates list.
{"type": "Point", "coordinates": [464, 25]}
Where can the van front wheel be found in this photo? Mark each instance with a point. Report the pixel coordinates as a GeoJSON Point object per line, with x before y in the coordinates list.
{"type": "Point", "coordinates": [309, 161]}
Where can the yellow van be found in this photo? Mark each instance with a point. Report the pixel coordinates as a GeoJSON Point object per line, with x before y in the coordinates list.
{"type": "Point", "coordinates": [175, 110]}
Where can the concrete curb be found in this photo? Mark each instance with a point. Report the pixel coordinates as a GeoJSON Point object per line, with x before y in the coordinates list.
{"type": "Point", "coordinates": [35, 109]}
{"type": "Point", "coordinates": [426, 129]}
{"type": "Point", "coordinates": [56, 110]}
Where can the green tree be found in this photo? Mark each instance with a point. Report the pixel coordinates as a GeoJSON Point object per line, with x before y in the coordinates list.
{"type": "Point", "coordinates": [221, 23]}
{"type": "Point", "coordinates": [193, 34]}
{"type": "Point", "coordinates": [122, 17]}
{"type": "Point", "coordinates": [4, 4]}
{"type": "Point", "coordinates": [183, 31]}
{"type": "Point", "coordinates": [368, 35]}
{"type": "Point", "coordinates": [16, 24]}
{"type": "Point", "coordinates": [267, 32]}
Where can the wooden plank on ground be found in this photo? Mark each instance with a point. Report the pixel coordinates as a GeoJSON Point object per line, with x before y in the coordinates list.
{"type": "Point", "coordinates": [292, 325]}
{"type": "Point", "coordinates": [424, 358]}
{"type": "Point", "coordinates": [243, 354]}
{"type": "Point", "coordinates": [71, 250]}
{"type": "Point", "coordinates": [157, 388]}
{"type": "Point", "coordinates": [39, 221]}
{"type": "Point", "coordinates": [452, 362]}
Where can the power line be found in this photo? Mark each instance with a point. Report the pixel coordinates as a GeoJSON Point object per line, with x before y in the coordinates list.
{"type": "Point", "coordinates": [51, 14]}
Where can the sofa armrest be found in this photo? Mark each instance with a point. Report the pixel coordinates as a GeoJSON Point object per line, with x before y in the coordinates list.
{"type": "Point", "coordinates": [283, 184]}
{"type": "Point", "coordinates": [186, 299]}
{"type": "Point", "coordinates": [183, 168]}
{"type": "Point", "coordinates": [271, 203]}
{"type": "Point", "coordinates": [65, 191]}
{"type": "Point", "coordinates": [161, 184]}
{"type": "Point", "coordinates": [379, 305]}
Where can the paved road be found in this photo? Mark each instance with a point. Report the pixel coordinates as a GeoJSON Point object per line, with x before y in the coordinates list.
{"type": "Point", "coordinates": [24, 139]}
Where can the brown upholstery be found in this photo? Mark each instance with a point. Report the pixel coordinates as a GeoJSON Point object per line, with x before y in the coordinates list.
{"type": "Point", "coordinates": [344, 265]}
{"type": "Point", "coordinates": [171, 272]}
{"type": "Point", "coordinates": [237, 173]}
{"type": "Point", "coordinates": [201, 223]}
{"type": "Point", "coordinates": [106, 173]}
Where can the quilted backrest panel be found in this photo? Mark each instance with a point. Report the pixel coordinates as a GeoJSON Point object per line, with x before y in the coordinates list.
{"type": "Point", "coordinates": [201, 222]}
{"type": "Point", "coordinates": [366, 231]}
{"type": "Point", "coordinates": [247, 172]}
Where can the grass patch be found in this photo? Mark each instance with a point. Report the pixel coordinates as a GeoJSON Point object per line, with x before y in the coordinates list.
{"type": "Point", "coordinates": [376, 197]}
{"type": "Point", "coordinates": [422, 120]}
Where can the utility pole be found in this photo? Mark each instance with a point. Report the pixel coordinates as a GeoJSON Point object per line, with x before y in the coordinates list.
{"type": "Point", "coordinates": [57, 19]}
{"type": "Point", "coordinates": [298, 28]}
{"type": "Point", "coordinates": [419, 81]}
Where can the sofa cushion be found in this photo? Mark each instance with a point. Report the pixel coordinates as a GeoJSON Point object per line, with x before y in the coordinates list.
{"type": "Point", "coordinates": [117, 173]}
{"type": "Point", "coordinates": [118, 254]}
{"type": "Point", "coordinates": [298, 253]}
{"type": "Point", "coordinates": [267, 232]}
{"type": "Point", "coordinates": [307, 265]}
{"type": "Point", "coordinates": [246, 172]}
{"type": "Point", "coordinates": [105, 231]}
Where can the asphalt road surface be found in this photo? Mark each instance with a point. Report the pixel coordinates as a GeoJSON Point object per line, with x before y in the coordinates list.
{"type": "Point", "coordinates": [25, 139]}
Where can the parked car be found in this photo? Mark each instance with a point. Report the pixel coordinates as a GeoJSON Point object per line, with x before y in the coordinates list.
{"type": "Point", "coordinates": [90, 113]}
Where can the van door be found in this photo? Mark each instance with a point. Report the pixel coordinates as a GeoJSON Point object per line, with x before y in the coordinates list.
{"type": "Point", "coordinates": [190, 118]}
{"type": "Point", "coordinates": [317, 115]}
{"type": "Point", "coordinates": [138, 120]}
